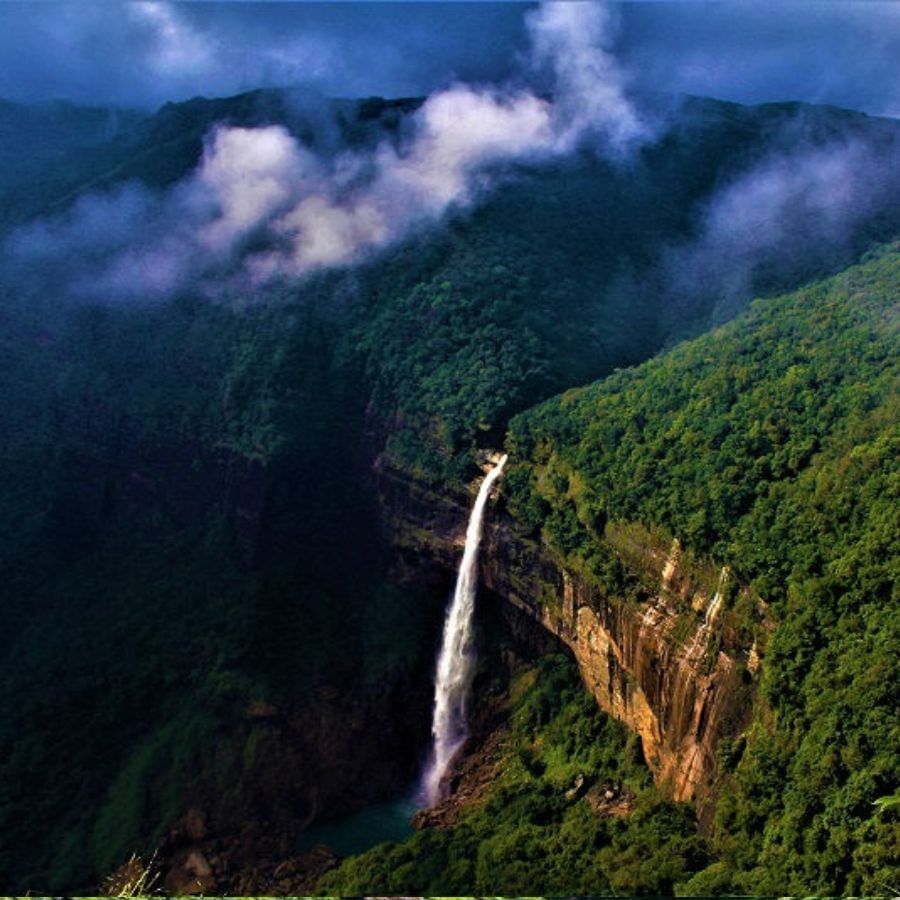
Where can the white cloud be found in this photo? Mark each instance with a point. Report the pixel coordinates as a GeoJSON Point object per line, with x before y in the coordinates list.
{"type": "Point", "coordinates": [249, 174]}
{"type": "Point", "coordinates": [174, 46]}
{"type": "Point", "coordinates": [571, 39]}
{"type": "Point", "coordinates": [790, 210]}
{"type": "Point", "coordinates": [459, 135]}
{"type": "Point", "coordinates": [319, 212]}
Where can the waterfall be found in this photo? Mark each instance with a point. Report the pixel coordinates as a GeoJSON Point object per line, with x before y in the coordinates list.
{"type": "Point", "coordinates": [713, 609]}
{"type": "Point", "coordinates": [455, 665]}
{"type": "Point", "coordinates": [709, 618]}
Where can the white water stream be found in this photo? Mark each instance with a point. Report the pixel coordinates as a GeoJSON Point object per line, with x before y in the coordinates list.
{"type": "Point", "coordinates": [456, 661]}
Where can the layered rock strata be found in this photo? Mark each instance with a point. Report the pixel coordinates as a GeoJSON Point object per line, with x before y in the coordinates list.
{"type": "Point", "coordinates": [667, 666]}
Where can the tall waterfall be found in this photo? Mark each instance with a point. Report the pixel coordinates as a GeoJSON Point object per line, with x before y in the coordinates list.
{"type": "Point", "coordinates": [455, 666]}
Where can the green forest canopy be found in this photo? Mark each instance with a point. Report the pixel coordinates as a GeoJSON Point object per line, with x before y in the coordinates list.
{"type": "Point", "coordinates": [772, 445]}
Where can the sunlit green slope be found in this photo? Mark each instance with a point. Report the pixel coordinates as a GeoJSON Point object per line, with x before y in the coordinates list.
{"type": "Point", "coordinates": [772, 445]}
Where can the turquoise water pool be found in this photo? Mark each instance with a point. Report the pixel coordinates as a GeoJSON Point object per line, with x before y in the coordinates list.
{"type": "Point", "coordinates": [389, 821]}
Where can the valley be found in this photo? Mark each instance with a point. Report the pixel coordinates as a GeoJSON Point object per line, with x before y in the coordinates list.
{"type": "Point", "coordinates": [231, 523]}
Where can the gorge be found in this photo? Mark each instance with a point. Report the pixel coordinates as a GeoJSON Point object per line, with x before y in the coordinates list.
{"type": "Point", "coordinates": [231, 524]}
{"type": "Point", "coordinates": [722, 670]}
{"type": "Point", "coordinates": [653, 665]}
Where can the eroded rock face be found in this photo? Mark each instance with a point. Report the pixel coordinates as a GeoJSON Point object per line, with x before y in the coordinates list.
{"type": "Point", "coordinates": [680, 695]}
{"type": "Point", "coordinates": [663, 666]}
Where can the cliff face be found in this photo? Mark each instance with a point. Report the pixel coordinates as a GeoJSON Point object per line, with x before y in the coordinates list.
{"type": "Point", "coordinates": [665, 666]}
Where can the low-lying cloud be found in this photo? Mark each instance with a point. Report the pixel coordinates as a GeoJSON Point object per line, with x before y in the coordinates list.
{"type": "Point", "coordinates": [792, 212]}
{"type": "Point", "coordinates": [260, 196]}
{"type": "Point", "coordinates": [573, 40]}
{"type": "Point", "coordinates": [261, 205]}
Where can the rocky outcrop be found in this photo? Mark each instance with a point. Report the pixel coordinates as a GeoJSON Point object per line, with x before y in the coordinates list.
{"type": "Point", "coordinates": [668, 666]}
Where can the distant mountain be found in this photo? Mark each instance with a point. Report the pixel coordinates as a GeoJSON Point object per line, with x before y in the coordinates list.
{"type": "Point", "coordinates": [44, 132]}
{"type": "Point", "coordinates": [57, 152]}
{"type": "Point", "coordinates": [38, 140]}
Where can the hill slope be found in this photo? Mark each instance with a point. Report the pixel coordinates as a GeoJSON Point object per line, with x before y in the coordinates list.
{"type": "Point", "coordinates": [770, 444]}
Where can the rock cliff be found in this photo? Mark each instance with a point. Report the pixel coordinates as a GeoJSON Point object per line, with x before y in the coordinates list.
{"type": "Point", "coordinates": [668, 666]}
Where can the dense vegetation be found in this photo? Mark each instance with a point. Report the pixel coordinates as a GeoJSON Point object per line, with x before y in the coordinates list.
{"type": "Point", "coordinates": [174, 495]}
{"type": "Point", "coordinates": [560, 277]}
{"type": "Point", "coordinates": [536, 831]}
{"type": "Point", "coordinates": [188, 525]}
{"type": "Point", "coordinates": [770, 444]}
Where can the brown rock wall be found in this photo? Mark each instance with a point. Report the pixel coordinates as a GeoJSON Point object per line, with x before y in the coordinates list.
{"type": "Point", "coordinates": [681, 695]}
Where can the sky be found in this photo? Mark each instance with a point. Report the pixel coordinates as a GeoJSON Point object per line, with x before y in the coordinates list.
{"type": "Point", "coordinates": [142, 54]}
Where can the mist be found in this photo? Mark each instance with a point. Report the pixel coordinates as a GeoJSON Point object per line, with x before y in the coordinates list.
{"type": "Point", "coordinates": [145, 53]}
{"type": "Point", "coordinates": [839, 53]}
{"type": "Point", "coordinates": [798, 211]}
{"type": "Point", "coordinates": [261, 205]}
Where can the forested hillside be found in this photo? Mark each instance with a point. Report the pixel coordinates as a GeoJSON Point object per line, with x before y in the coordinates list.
{"type": "Point", "coordinates": [198, 604]}
{"type": "Point", "coordinates": [771, 445]}
{"type": "Point", "coordinates": [760, 446]}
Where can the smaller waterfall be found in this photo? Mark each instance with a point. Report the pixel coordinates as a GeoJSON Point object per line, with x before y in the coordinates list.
{"type": "Point", "coordinates": [710, 616]}
{"type": "Point", "coordinates": [712, 611]}
{"type": "Point", "coordinates": [455, 666]}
